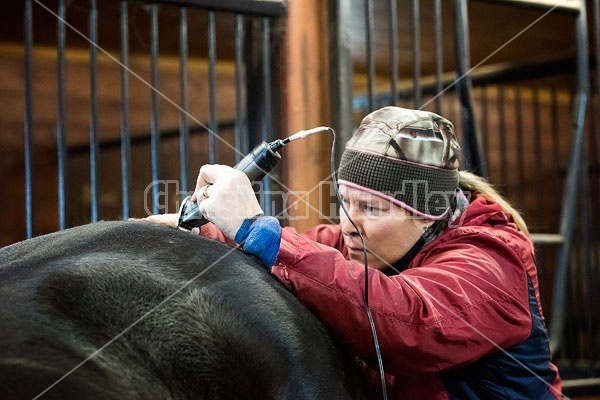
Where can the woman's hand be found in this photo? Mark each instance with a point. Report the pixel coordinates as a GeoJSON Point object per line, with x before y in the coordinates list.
{"type": "Point", "coordinates": [164, 219]}
{"type": "Point", "coordinates": [170, 220]}
{"type": "Point", "coordinates": [225, 197]}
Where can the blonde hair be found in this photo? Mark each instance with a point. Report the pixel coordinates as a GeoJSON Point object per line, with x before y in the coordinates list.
{"type": "Point", "coordinates": [478, 185]}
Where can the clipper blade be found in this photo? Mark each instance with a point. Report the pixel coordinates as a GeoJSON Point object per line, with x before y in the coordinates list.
{"type": "Point", "coordinates": [189, 215]}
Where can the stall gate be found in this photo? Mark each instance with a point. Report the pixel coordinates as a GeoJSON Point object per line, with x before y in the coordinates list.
{"type": "Point", "coordinates": [143, 92]}
{"type": "Point", "coordinates": [525, 125]}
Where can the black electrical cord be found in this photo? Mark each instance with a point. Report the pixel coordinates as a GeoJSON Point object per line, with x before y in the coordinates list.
{"type": "Point", "coordinates": [366, 295]}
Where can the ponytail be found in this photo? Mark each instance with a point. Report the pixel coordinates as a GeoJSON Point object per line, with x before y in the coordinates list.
{"type": "Point", "coordinates": [478, 185]}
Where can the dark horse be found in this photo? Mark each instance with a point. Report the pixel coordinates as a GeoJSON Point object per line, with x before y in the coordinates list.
{"type": "Point", "coordinates": [133, 310]}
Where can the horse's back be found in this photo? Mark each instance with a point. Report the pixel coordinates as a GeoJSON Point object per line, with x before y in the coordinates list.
{"type": "Point", "coordinates": [137, 310]}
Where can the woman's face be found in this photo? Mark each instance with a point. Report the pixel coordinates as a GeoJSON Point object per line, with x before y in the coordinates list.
{"type": "Point", "coordinates": [388, 230]}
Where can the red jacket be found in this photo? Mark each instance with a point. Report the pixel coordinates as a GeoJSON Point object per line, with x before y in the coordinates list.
{"type": "Point", "coordinates": [463, 321]}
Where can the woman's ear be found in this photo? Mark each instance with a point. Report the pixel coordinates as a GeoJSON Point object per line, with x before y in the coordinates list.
{"type": "Point", "coordinates": [422, 223]}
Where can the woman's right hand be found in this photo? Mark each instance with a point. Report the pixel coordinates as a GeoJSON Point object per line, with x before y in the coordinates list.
{"type": "Point", "coordinates": [225, 197]}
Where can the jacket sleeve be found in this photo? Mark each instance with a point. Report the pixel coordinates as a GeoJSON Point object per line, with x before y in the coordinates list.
{"type": "Point", "coordinates": [327, 234]}
{"type": "Point", "coordinates": [466, 298]}
{"type": "Point", "coordinates": [211, 231]}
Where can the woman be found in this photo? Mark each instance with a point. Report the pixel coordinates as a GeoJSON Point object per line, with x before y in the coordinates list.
{"type": "Point", "coordinates": [452, 286]}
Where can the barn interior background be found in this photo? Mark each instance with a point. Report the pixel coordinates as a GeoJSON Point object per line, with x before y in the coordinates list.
{"type": "Point", "coordinates": [109, 108]}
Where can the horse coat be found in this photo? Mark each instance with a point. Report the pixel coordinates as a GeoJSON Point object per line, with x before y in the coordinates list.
{"type": "Point", "coordinates": [134, 310]}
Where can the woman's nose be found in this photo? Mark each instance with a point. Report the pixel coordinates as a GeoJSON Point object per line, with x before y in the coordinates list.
{"type": "Point", "coordinates": [345, 223]}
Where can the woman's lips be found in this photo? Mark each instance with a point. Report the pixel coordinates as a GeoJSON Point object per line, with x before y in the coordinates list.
{"type": "Point", "coordinates": [357, 254]}
{"type": "Point", "coordinates": [354, 247]}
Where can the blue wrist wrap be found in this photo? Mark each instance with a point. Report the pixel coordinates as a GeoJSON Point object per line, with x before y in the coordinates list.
{"type": "Point", "coordinates": [260, 236]}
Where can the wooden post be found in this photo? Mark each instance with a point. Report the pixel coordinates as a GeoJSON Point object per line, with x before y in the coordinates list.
{"type": "Point", "coordinates": [306, 104]}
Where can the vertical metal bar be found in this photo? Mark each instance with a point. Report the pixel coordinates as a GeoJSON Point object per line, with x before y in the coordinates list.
{"type": "Point", "coordinates": [254, 90]}
{"type": "Point", "coordinates": [595, 265]}
{"type": "Point", "coordinates": [597, 42]}
{"type": "Point", "coordinates": [241, 128]}
{"type": "Point", "coordinates": [485, 120]}
{"type": "Point", "coordinates": [587, 283]}
{"type": "Point", "coordinates": [61, 116]}
{"type": "Point", "coordinates": [29, 128]}
{"type": "Point", "coordinates": [416, 42]}
{"type": "Point", "coordinates": [341, 71]}
{"type": "Point", "coordinates": [94, 141]}
{"type": "Point", "coordinates": [212, 56]}
{"type": "Point", "coordinates": [369, 53]}
{"type": "Point", "coordinates": [569, 200]}
{"type": "Point", "coordinates": [439, 55]}
{"type": "Point", "coordinates": [554, 115]}
{"type": "Point", "coordinates": [155, 123]}
{"type": "Point", "coordinates": [502, 136]}
{"type": "Point", "coordinates": [266, 72]}
{"type": "Point", "coordinates": [266, 133]}
{"type": "Point", "coordinates": [125, 139]}
{"type": "Point", "coordinates": [184, 130]}
{"type": "Point", "coordinates": [394, 53]}
{"type": "Point", "coordinates": [518, 107]}
{"type": "Point", "coordinates": [537, 156]}
{"type": "Point", "coordinates": [473, 157]}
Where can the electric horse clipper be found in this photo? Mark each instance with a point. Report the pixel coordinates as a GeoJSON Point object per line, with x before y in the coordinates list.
{"type": "Point", "coordinates": [258, 163]}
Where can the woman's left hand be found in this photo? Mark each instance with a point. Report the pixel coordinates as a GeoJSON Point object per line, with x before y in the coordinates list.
{"type": "Point", "coordinates": [164, 219]}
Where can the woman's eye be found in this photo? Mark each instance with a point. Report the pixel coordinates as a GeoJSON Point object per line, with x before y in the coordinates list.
{"type": "Point", "coordinates": [371, 209]}
{"type": "Point", "coordinates": [358, 205]}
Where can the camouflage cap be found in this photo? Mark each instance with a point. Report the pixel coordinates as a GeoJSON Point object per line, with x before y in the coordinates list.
{"type": "Point", "coordinates": [408, 156]}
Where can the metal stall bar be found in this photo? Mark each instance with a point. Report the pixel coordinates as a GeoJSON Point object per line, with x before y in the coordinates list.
{"type": "Point", "coordinates": [596, 12]}
{"type": "Point", "coordinates": [587, 270]}
{"type": "Point", "coordinates": [439, 55]}
{"type": "Point", "coordinates": [502, 136]}
{"type": "Point", "coordinates": [94, 158]}
{"type": "Point", "coordinates": [537, 149]}
{"type": "Point", "coordinates": [518, 109]}
{"type": "Point", "coordinates": [266, 67]}
{"type": "Point", "coordinates": [472, 152]}
{"type": "Point", "coordinates": [555, 132]}
{"type": "Point", "coordinates": [61, 130]}
{"type": "Point", "coordinates": [394, 56]}
{"type": "Point", "coordinates": [369, 54]}
{"type": "Point", "coordinates": [340, 73]}
{"type": "Point", "coordinates": [484, 104]}
{"type": "Point", "coordinates": [125, 139]}
{"type": "Point", "coordinates": [241, 127]}
{"type": "Point", "coordinates": [154, 119]}
{"type": "Point", "coordinates": [595, 265]}
{"type": "Point", "coordinates": [340, 12]}
{"type": "Point", "coordinates": [29, 127]}
{"type": "Point", "coordinates": [213, 128]}
{"type": "Point", "coordinates": [266, 121]}
{"type": "Point", "coordinates": [570, 194]}
{"type": "Point", "coordinates": [416, 51]}
{"type": "Point", "coordinates": [184, 129]}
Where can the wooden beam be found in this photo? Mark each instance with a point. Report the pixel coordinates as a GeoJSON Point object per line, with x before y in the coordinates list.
{"type": "Point", "coordinates": [306, 162]}
{"type": "Point", "coordinates": [271, 8]}
{"type": "Point", "coordinates": [78, 95]}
